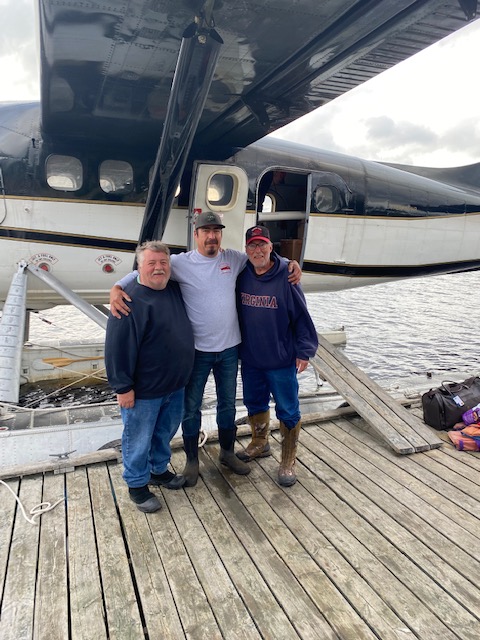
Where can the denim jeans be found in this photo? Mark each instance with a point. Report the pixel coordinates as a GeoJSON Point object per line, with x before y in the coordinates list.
{"type": "Point", "coordinates": [224, 365]}
{"type": "Point", "coordinates": [148, 428]}
{"type": "Point", "coordinates": [258, 384]}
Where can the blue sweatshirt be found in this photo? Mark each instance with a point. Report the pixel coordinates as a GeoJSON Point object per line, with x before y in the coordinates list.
{"type": "Point", "coordinates": [274, 320]}
{"type": "Point", "coordinates": [150, 351]}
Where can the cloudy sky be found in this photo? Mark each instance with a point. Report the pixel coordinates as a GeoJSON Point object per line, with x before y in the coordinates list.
{"type": "Point", "coordinates": [424, 112]}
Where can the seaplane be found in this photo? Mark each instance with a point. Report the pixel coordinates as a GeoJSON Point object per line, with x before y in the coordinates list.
{"type": "Point", "coordinates": [154, 110]}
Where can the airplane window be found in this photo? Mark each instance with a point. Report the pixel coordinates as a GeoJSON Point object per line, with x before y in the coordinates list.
{"type": "Point", "coordinates": [221, 191]}
{"type": "Point", "coordinates": [116, 177]}
{"type": "Point", "coordinates": [64, 173]}
{"type": "Point", "coordinates": [326, 199]}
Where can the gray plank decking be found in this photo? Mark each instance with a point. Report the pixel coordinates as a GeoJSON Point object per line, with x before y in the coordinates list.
{"type": "Point", "coordinates": [367, 544]}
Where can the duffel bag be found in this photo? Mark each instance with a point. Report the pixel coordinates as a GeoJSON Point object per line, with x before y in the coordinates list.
{"type": "Point", "coordinates": [443, 407]}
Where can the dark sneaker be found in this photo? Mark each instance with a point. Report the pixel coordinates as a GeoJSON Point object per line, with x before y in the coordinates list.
{"type": "Point", "coordinates": [167, 479]}
{"type": "Point", "coordinates": [145, 500]}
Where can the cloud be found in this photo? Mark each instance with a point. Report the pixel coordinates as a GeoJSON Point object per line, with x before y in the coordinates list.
{"type": "Point", "coordinates": [385, 130]}
{"type": "Point", "coordinates": [314, 130]}
{"type": "Point", "coordinates": [18, 51]}
{"type": "Point", "coordinates": [464, 135]}
{"type": "Point", "coordinates": [17, 26]}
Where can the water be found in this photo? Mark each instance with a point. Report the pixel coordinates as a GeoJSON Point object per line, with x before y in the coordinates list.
{"type": "Point", "coordinates": [399, 333]}
{"type": "Point", "coordinates": [402, 331]}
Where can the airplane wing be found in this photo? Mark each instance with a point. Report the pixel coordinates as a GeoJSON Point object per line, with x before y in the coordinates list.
{"type": "Point", "coordinates": [107, 67]}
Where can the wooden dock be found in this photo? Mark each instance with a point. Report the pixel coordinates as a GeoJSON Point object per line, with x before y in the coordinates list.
{"type": "Point", "coordinates": [368, 544]}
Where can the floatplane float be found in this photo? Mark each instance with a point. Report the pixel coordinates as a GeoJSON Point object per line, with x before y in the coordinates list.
{"type": "Point", "coordinates": [151, 112]}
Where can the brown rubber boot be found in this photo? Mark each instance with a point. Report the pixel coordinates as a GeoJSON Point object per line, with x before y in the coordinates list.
{"type": "Point", "coordinates": [258, 447]}
{"type": "Point", "coordinates": [286, 472]}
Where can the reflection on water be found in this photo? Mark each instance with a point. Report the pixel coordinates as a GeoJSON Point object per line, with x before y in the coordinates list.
{"type": "Point", "coordinates": [396, 332]}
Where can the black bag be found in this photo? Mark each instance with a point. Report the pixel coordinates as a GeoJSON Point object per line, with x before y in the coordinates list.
{"type": "Point", "coordinates": [443, 407]}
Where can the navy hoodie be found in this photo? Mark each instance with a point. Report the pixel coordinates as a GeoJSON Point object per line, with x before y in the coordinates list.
{"type": "Point", "coordinates": [274, 320]}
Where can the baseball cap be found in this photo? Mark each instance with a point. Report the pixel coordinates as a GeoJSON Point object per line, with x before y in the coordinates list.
{"type": "Point", "coordinates": [257, 233]}
{"type": "Point", "coordinates": [207, 218]}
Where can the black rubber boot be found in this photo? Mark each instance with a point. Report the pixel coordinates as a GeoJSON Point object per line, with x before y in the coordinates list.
{"type": "Point", "coordinates": [190, 473]}
{"type": "Point", "coordinates": [227, 456]}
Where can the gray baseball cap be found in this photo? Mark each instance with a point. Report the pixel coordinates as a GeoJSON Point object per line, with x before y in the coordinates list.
{"type": "Point", "coordinates": [207, 218]}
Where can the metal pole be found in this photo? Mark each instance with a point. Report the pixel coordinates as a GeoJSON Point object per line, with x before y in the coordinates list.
{"type": "Point", "coordinates": [89, 310]}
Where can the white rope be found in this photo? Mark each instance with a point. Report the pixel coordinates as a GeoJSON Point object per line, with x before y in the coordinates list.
{"type": "Point", "coordinates": [35, 511]}
{"type": "Point", "coordinates": [204, 438]}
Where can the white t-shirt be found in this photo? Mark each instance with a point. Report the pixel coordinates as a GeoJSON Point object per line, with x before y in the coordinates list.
{"type": "Point", "coordinates": [208, 290]}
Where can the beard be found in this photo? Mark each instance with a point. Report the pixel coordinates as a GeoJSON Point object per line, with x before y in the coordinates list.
{"type": "Point", "coordinates": [211, 248]}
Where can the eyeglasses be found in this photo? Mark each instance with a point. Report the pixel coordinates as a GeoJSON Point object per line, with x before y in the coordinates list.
{"type": "Point", "coordinates": [257, 245]}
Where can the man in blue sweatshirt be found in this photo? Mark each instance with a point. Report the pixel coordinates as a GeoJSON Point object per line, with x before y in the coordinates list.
{"type": "Point", "coordinates": [149, 359]}
{"type": "Point", "coordinates": [278, 339]}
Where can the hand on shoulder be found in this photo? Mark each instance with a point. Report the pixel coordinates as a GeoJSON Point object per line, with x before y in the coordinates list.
{"type": "Point", "coordinates": [118, 300]}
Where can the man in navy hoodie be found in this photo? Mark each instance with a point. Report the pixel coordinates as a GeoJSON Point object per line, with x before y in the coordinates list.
{"type": "Point", "coordinates": [278, 339]}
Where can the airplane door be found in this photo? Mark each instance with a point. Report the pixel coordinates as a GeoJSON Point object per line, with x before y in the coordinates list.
{"type": "Point", "coordinates": [224, 190]}
{"type": "Point", "coordinates": [284, 207]}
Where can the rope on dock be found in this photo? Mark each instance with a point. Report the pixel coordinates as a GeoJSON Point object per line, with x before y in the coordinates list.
{"type": "Point", "coordinates": [35, 511]}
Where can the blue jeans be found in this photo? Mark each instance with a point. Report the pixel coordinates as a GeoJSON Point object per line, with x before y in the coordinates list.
{"type": "Point", "coordinates": [148, 428]}
{"type": "Point", "coordinates": [258, 384]}
{"type": "Point", "coordinates": [224, 365]}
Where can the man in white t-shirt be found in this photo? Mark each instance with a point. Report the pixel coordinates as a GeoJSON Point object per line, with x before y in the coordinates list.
{"type": "Point", "coordinates": [207, 278]}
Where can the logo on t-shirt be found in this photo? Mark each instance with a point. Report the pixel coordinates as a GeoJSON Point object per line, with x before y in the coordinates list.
{"type": "Point", "coordinates": [225, 267]}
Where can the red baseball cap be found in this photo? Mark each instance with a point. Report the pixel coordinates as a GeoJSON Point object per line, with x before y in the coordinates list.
{"type": "Point", "coordinates": [257, 233]}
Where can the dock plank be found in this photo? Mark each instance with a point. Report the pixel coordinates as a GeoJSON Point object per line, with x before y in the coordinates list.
{"type": "Point", "coordinates": [426, 491]}
{"type": "Point", "coordinates": [300, 545]}
{"type": "Point", "coordinates": [389, 420]}
{"type": "Point", "coordinates": [368, 403]}
{"type": "Point", "coordinates": [18, 604]}
{"type": "Point", "coordinates": [457, 485]}
{"type": "Point", "coordinates": [269, 616]}
{"type": "Point", "coordinates": [157, 603]}
{"type": "Point", "coordinates": [87, 610]}
{"type": "Point", "coordinates": [376, 417]}
{"type": "Point", "coordinates": [194, 609]}
{"type": "Point", "coordinates": [437, 532]}
{"type": "Point", "coordinates": [415, 539]}
{"type": "Point", "coordinates": [399, 582]}
{"type": "Point", "coordinates": [231, 615]}
{"type": "Point", "coordinates": [7, 521]}
{"type": "Point", "coordinates": [51, 598]}
{"type": "Point", "coordinates": [415, 430]}
{"type": "Point", "coordinates": [303, 614]}
{"type": "Point", "coordinates": [121, 607]}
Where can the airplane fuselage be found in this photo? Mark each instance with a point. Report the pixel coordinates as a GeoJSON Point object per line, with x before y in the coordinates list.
{"type": "Point", "coordinates": [77, 210]}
